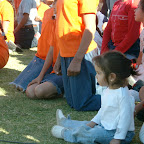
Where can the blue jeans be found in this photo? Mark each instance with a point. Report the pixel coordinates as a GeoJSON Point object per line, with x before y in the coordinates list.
{"type": "Point", "coordinates": [80, 90]}
{"type": "Point", "coordinates": [132, 52]}
{"type": "Point", "coordinates": [29, 73]}
{"type": "Point", "coordinates": [79, 132]}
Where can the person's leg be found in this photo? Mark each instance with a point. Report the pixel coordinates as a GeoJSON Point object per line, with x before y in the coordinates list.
{"type": "Point", "coordinates": [87, 135]}
{"type": "Point", "coordinates": [45, 90]}
{"type": "Point", "coordinates": [24, 37]}
{"type": "Point", "coordinates": [29, 73]}
{"type": "Point", "coordinates": [50, 87]}
{"type": "Point", "coordinates": [30, 91]}
{"type": "Point", "coordinates": [67, 122]}
{"type": "Point", "coordinates": [80, 89]}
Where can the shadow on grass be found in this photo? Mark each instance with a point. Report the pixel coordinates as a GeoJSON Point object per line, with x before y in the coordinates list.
{"type": "Point", "coordinates": [25, 57]}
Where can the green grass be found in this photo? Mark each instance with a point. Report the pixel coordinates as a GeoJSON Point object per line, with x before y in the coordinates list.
{"type": "Point", "coordinates": [25, 120]}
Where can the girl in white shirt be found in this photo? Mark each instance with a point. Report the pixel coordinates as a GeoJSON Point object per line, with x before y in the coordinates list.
{"type": "Point", "coordinates": [114, 122]}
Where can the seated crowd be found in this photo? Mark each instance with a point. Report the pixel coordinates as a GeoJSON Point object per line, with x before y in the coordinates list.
{"type": "Point", "coordinates": [90, 52]}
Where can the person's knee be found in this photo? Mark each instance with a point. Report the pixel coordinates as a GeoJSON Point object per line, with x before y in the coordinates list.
{"type": "Point", "coordinates": [29, 93]}
{"type": "Point", "coordinates": [39, 92]}
{"type": "Point", "coordinates": [141, 93]}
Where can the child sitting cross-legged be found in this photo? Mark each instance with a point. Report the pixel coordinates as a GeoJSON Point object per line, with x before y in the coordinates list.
{"type": "Point", "coordinates": [114, 122]}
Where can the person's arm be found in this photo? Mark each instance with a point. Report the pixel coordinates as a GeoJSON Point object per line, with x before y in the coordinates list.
{"type": "Point", "coordinates": [5, 25]}
{"type": "Point", "coordinates": [139, 107]}
{"type": "Point", "coordinates": [57, 66]}
{"type": "Point", "coordinates": [139, 59]}
{"type": "Point", "coordinates": [90, 27]}
{"type": "Point", "coordinates": [125, 116]}
{"type": "Point", "coordinates": [22, 23]}
{"type": "Point", "coordinates": [132, 35]}
{"type": "Point", "coordinates": [106, 36]}
{"type": "Point", "coordinates": [47, 64]}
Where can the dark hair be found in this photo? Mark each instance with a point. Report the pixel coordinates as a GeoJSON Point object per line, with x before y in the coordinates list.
{"type": "Point", "coordinates": [115, 62]}
{"type": "Point", "coordinates": [142, 5]}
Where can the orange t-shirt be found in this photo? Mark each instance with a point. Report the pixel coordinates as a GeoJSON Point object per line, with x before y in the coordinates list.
{"type": "Point", "coordinates": [7, 14]}
{"type": "Point", "coordinates": [17, 3]}
{"type": "Point", "coordinates": [41, 10]}
{"type": "Point", "coordinates": [4, 53]}
{"type": "Point", "coordinates": [46, 38]}
{"type": "Point", "coordinates": [70, 26]}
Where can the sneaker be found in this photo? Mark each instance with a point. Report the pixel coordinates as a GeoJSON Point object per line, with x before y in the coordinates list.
{"type": "Point", "coordinates": [57, 131]}
{"type": "Point", "coordinates": [12, 46]}
{"type": "Point", "coordinates": [59, 116]}
{"type": "Point", "coordinates": [141, 134]}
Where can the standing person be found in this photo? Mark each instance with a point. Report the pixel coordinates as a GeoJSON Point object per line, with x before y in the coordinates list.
{"type": "Point", "coordinates": [122, 31]}
{"type": "Point", "coordinates": [27, 26]}
{"type": "Point", "coordinates": [139, 16]}
{"type": "Point", "coordinates": [114, 122]}
{"type": "Point", "coordinates": [7, 19]}
{"type": "Point", "coordinates": [75, 30]}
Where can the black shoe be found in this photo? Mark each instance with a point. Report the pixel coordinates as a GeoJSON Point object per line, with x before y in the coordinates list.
{"type": "Point", "coordinates": [12, 46]}
{"type": "Point", "coordinates": [137, 86]}
{"type": "Point", "coordinates": [18, 49]}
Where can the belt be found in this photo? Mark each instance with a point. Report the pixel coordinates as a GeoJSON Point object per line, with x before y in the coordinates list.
{"type": "Point", "coordinates": [29, 26]}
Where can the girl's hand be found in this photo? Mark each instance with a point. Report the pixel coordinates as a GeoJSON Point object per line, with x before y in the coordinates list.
{"type": "Point", "coordinates": [36, 80]}
{"type": "Point", "coordinates": [91, 124]}
{"type": "Point", "coordinates": [115, 141]}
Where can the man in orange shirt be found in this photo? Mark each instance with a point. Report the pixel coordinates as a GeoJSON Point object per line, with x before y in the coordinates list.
{"type": "Point", "coordinates": [4, 54]}
{"type": "Point", "coordinates": [75, 30]}
{"type": "Point", "coordinates": [46, 84]}
{"type": "Point", "coordinates": [7, 18]}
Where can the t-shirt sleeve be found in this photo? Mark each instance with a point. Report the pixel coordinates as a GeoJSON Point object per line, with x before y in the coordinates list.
{"type": "Point", "coordinates": [27, 6]}
{"type": "Point", "coordinates": [88, 6]}
{"type": "Point", "coordinates": [97, 118]}
{"type": "Point", "coordinates": [7, 14]}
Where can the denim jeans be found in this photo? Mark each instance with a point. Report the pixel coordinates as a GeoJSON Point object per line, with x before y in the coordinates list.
{"type": "Point", "coordinates": [80, 90]}
{"type": "Point", "coordinates": [132, 52]}
{"type": "Point", "coordinates": [29, 73]}
{"type": "Point", "coordinates": [79, 132]}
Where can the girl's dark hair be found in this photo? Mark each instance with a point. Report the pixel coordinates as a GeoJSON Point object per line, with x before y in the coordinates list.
{"type": "Point", "coordinates": [115, 62]}
{"type": "Point", "coordinates": [142, 5]}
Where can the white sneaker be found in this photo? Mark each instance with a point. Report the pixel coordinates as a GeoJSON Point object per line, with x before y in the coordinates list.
{"type": "Point", "coordinates": [141, 134]}
{"type": "Point", "coordinates": [59, 116]}
{"type": "Point", "coordinates": [57, 131]}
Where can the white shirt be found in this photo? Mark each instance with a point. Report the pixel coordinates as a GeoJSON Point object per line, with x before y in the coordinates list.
{"type": "Point", "coordinates": [29, 7]}
{"type": "Point", "coordinates": [116, 112]}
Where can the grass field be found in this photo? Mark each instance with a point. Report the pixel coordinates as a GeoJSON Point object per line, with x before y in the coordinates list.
{"type": "Point", "coordinates": [30, 121]}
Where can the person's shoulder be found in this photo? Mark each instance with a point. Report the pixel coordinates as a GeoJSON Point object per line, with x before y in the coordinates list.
{"type": "Point", "coordinates": [133, 3]}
